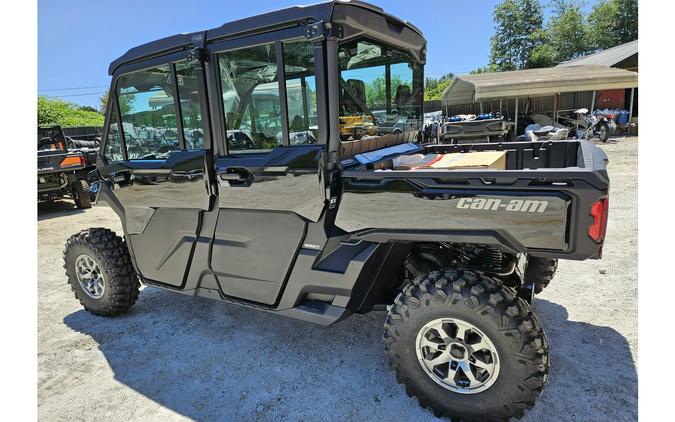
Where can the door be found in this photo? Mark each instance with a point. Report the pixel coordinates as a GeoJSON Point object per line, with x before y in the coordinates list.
{"type": "Point", "coordinates": [156, 157]}
{"type": "Point", "coordinates": [270, 179]}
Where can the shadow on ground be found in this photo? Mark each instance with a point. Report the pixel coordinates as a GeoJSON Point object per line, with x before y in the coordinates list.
{"type": "Point", "coordinates": [51, 209]}
{"type": "Point", "coordinates": [208, 360]}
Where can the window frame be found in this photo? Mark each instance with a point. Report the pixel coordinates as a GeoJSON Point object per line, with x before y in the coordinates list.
{"type": "Point", "coordinates": [417, 74]}
{"type": "Point", "coordinates": [169, 60]}
{"type": "Point", "coordinates": [278, 38]}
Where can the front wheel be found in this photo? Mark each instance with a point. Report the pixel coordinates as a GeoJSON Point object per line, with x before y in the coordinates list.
{"type": "Point", "coordinates": [466, 346]}
{"type": "Point", "coordinates": [100, 273]}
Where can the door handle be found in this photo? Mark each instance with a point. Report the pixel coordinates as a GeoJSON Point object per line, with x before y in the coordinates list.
{"type": "Point", "coordinates": [230, 176]}
{"type": "Point", "coordinates": [236, 177]}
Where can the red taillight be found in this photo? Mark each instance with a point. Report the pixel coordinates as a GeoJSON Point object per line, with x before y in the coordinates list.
{"type": "Point", "coordinates": [599, 214]}
{"type": "Point", "coordinates": [77, 160]}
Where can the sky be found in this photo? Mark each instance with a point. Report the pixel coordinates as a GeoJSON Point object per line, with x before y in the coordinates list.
{"type": "Point", "coordinates": [77, 39]}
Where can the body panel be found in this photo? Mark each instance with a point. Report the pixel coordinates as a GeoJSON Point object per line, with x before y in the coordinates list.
{"type": "Point", "coordinates": [403, 206]}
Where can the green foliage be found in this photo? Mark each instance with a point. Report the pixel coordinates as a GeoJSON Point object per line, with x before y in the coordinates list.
{"type": "Point", "coordinates": [58, 112]}
{"type": "Point", "coordinates": [484, 69]}
{"type": "Point", "coordinates": [516, 24]}
{"type": "Point", "coordinates": [613, 22]}
{"type": "Point", "coordinates": [126, 103]}
{"type": "Point", "coordinates": [543, 55]}
{"type": "Point", "coordinates": [626, 28]}
{"type": "Point", "coordinates": [602, 25]}
{"type": "Point", "coordinates": [376, 92]}
{"type": "Point", "coordinates": [566, 31]}
{"type": "Point", "coordinates": [433, 88]}
{"type": "Point", "coordinates": [523, 41]}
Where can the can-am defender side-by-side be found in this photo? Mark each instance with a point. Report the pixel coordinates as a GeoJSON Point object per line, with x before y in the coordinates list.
{"type": "Point", "coordinates": [246, 165]}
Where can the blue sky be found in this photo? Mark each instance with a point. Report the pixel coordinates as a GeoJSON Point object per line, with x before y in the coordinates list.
{"type": "Point", "coordinates": [77, 39]}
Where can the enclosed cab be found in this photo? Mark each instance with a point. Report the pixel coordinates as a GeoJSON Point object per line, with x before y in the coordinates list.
{"type": "Point", "coordinates": [259, 163]}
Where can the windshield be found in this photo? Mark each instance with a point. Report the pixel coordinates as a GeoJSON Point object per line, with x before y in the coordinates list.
{"type": "Point", "coordinates": [380, 91]}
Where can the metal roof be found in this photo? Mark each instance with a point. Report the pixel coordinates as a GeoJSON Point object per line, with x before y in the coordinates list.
{"type": "Point", "coordinates": [536, 82]}
{"type": "Point", "coordinates": [255, 24]}
{"type": "Point", "coordinates": [610, 57]}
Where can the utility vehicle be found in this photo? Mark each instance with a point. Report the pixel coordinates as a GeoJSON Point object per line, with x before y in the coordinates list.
{"type": "Point", "coordinates": [63, 165]}
{"type": "Point", "coordinates": [324, 229]}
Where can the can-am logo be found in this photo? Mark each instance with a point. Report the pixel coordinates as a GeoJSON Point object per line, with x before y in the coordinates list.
{"type": "Point", "coordinates": [494, 204]}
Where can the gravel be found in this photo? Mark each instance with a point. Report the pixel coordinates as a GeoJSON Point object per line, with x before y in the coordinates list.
{"type": "Point", "coordinates": [175, 357]}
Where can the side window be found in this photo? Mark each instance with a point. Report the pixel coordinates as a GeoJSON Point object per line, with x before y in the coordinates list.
{"type": "Point", "coordinates": [300, 92]}
{"type": "Point", "coordinates": [251, 103]}
{"type": "Point", "coordinates": [380, 91]}
{"type": "Point", "coordinates": [148, 113]}
{"type": "Point", "coordinates": [191, 111]}
{"type": "Point", "coordinates": [113, 145]}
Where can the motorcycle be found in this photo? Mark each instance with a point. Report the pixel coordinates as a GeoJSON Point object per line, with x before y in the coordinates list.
{"type": "Point", "coordinates": [593, 125]}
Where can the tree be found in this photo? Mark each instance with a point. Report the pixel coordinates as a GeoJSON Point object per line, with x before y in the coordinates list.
{"type": "Point", "coordinates": [522, 41]}
{"type": "Point", "coordinates": [602, 25]}
{"type": "Point", "coordinates": [543, 55]}
{"type": "Point", "coordinates": [126, 102]}
{"type": "Point", "coordinates": [484, 69]}
{"type": "Point", "coordinates": [434, 88]}
{"type": "Point", "coordinates": [566, 30]}
{"type": "Point", "coordinates": [613, 22]}
{"type": "Point", "coordinates": [53, 111]}
{"type": "Point", "coordinates": [516, 23]}
{"type": "Point", "coordinates": [626, 29]}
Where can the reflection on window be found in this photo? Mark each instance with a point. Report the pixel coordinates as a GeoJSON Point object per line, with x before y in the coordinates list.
{"type": "Point", "coordinates": [300, 92]}
{"type": "Point", "coordinates": [380, 91]}
{"type": "Point", "coordinates": [113, 146]}
{"type": "Point", "coordinates": [189, 105]}
{"type": "Point", "coordinates": [251, 98]}
{"type": "Point", "coordinates": [148, 113]}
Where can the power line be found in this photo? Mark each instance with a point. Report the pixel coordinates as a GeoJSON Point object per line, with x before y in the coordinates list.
{"type": "Point", "coordinates": [72, 89]}
{"type": "Point", "coordinates": [74, 95]}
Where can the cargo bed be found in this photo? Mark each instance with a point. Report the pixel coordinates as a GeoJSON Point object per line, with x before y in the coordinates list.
{"type": "Point", "coordinates": [541, 204]}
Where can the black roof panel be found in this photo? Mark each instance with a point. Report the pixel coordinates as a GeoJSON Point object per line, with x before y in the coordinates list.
{"type": "Point", "coordinates": [294, 14]}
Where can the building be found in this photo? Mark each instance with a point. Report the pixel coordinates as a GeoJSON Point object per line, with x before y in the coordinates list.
{"type": "Point", "coordinates": [607, 79]}
{"type": "Point", "coordinates": [624, 56]}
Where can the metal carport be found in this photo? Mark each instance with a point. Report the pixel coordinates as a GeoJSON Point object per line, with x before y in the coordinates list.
{"type": "Point", "coordinates": [535, 83]}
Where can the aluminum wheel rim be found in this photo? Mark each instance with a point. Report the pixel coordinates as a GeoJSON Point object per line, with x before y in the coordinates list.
{"type": "Point", "coordinates": [90, 276]}
{"type": "Point", "coordinates": [457, 355]}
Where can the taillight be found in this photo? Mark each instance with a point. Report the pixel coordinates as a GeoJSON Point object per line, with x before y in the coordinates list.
{"type": "Point", "coordinates": [77, 160]}
{"type": "Point", "coordinates": [599, 214]}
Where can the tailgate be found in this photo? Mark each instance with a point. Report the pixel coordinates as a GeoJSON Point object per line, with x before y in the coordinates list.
{"type": "Point", "coordinates": [50, 161]}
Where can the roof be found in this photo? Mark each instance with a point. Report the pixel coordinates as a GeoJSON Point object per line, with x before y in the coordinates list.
{"type": "Point", "coordinates": [610, 57]}
{"type": "Point", "coordinates": [536, 82]}
{"type": "Point", "coordinates": [259, 23]}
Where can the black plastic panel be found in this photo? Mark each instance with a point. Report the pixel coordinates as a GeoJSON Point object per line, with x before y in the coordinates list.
{"type": "Point", "coordinates": [161, 253]}
{"type": "Point", "coordinates": [253, 252]}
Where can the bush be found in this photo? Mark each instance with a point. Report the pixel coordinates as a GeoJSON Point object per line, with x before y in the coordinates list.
{"type": "Point", "coordinates": [58, 112]}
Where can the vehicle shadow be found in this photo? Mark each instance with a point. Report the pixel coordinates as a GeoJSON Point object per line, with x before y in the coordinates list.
{"type": "Point", "coordinates": [212, 361]}
{"type": "Point", "coordinates": [51, 209]}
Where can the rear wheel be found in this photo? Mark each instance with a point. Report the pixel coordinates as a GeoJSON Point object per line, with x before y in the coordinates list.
{"type": "Point", "coordinates": [466, 346]}
{"type": "Point", "coordinates": [80, 191]}
{"type": "Point", "coordinates": [540, 272]}
{"type": "Point", "coordinates": [100, 273]}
